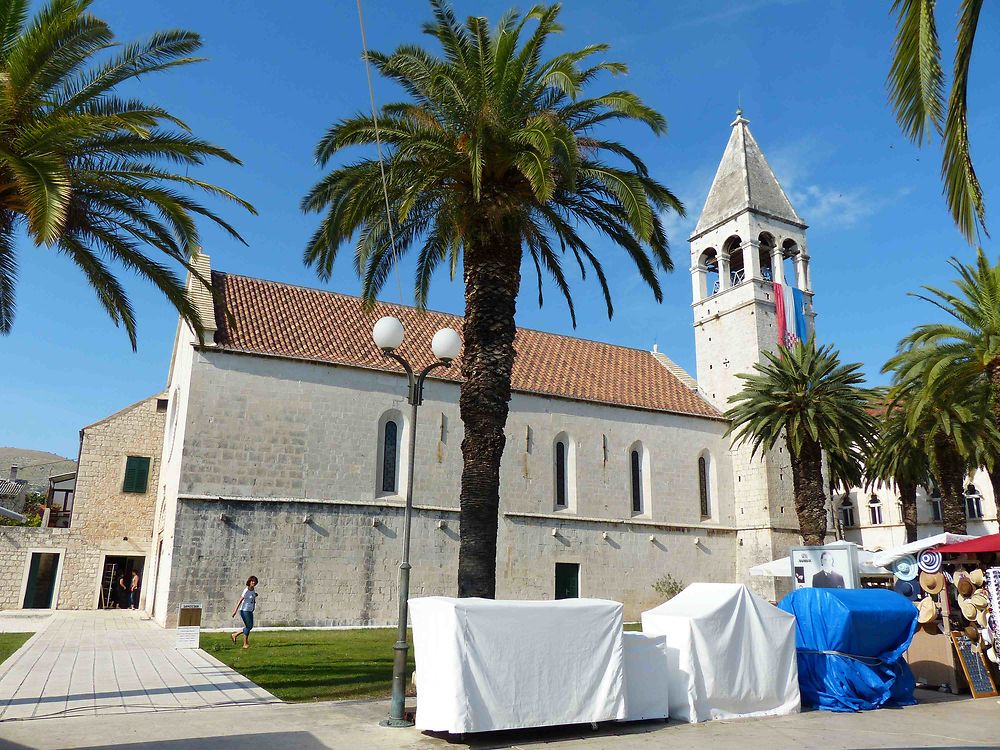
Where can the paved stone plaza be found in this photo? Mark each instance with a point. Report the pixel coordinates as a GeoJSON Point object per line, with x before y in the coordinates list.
{"type": "Point", "coordinates": [940, 721]}
{"type": "Point", "coordinates": [100, 663]}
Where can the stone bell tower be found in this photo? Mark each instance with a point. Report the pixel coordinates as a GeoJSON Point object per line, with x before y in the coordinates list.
{"type": "Point", "coordinates": [748, 239]}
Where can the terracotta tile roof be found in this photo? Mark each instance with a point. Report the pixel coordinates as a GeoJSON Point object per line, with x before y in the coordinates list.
{"type": "Point", "coordinates": [267, 317]}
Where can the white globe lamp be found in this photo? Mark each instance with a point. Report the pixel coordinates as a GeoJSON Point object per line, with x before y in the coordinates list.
{"type": "Point", "coordinates": [446, 344]}
{"type": "Point", "coordinates": [387, 333]}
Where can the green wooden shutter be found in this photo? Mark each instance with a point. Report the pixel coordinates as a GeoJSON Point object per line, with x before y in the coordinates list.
{"type": "Point", "coordinates": [136, 474]}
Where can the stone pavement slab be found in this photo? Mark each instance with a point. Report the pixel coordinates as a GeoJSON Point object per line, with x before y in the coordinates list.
{"type": "Point", "coordinates": [103, 663]}
{"type": "Point", "coordinates": [941, 721]}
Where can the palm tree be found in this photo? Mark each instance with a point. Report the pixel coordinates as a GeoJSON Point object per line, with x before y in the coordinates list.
{"type": "Point", "coordinates": [898, 457]}
{"type": "Point", "coordinates": [951, 417]}
{"type": "Point", "coordinates": [87, 172]}
{"type": "Point", "coordinates": [965, 351]}
{"type": "Point", "coordinates": [493, 160]}
{"type": "Point", "coordinates": [805, 396]}
{"type": "Point", "coordinates": [916, 92]}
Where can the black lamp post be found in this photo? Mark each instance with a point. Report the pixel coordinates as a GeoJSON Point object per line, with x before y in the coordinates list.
{"type": "Point", "coordinates": [446, 346]}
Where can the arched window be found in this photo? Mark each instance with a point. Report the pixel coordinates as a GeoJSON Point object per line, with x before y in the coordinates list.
{"type": "Point", "coordinates": [847, 513]}
{"type": "Point", "coordinates": [390, 456]}
{"type": "Point", "coordinates": [704, 486]}
{"type": "Point", "coordinates": [563, 470]}
{"type": "Point", "coordinates": [635, 469]}
{"type": "Point", "coordinates": [935, 501]}
{"type": "Point", "coordinates": [875, 510]}
{"type": "Point", "coordinates": [973, 502]}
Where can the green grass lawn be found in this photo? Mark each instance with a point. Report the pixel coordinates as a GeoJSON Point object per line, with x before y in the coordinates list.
{"type": "Point", "coordinates": [11, 642]}
{"type": "Point", "coordinates": [313, 665]}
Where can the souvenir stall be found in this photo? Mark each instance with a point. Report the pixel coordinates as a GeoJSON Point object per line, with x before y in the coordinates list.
{"type": "Point", "coordinates": [850, 647]}
{"type": "Point", "coordinates": [950, 579]}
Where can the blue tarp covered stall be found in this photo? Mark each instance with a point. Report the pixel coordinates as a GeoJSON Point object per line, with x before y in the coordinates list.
{"type": "Point", "coordinates": [850, 646]}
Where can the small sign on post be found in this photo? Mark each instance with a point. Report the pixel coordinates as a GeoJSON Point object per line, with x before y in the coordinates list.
{"type": "Point", "coordinates": [189, 626]}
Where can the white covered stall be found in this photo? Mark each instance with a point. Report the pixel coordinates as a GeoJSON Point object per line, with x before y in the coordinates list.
{"type": "Point", "coordinates": [484, 665]}
{"type": "Point", "coordinates": [730, 653]}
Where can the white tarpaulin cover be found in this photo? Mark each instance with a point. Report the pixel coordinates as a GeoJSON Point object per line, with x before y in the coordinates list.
{"type": "Point", "coordinates": [782, 567]}
{"type": "Point", "coordinates": [647, 682]}
{"type": "Point", "coordinates": [484, 665]}
{"type": "Point", "coordinates": [889, 556]}
{"type": "Point", "coordinates": [730, 653]}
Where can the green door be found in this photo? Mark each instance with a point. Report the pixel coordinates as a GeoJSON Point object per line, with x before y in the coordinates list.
{"type": "Point", "coordinates": [41, 580]}
{"type": "Point", "coordinates": [567, 580]}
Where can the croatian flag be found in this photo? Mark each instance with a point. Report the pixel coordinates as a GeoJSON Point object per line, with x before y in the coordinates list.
{"type": "Point", "coordinates": [790, 312]}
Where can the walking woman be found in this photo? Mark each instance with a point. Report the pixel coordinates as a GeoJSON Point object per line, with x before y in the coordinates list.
{"type": "Point", "coordinates": [245, 606]}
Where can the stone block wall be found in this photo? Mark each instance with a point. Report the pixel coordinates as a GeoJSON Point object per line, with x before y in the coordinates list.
{"type": "Point", "coordinates": [329, 564]}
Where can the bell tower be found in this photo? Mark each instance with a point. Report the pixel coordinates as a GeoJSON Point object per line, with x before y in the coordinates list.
{"type": "Point", "coordinates": [749, 242]}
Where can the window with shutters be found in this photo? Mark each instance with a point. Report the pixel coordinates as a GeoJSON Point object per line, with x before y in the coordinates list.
{"type": "Point", "coordinates": [136, 474]}
{"type": "Point", "coordinates": [875, 510]}
{"type": "Point", "coordinates": [847, 513]}
{"type": "Point", "coordinates": [973, 502]}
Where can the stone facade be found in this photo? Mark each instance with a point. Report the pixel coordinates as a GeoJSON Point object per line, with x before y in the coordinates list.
{"type": "Point", "coordinates": [268, 443]}
{"type": "Point", "coordinates": [106, 521]}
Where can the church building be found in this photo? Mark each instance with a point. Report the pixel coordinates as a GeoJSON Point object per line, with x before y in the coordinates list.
{"type": "Point", "coordinates": [283, 451]}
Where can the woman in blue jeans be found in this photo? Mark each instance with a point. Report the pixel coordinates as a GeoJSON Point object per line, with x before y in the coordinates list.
{"type": "Point", "coordinates": [245, 606]}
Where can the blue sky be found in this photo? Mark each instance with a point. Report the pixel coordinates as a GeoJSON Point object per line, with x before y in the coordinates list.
{"type": "Point", "coordinates": [811, 80]}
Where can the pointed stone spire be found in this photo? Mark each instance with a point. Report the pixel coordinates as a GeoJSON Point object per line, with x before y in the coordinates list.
{"type": "Point", "coordinates": [744, 181]}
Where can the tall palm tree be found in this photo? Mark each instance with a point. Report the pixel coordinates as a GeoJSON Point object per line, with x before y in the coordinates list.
{"type": "Point", "coordinates": [89, 173]}
{"type": "Point", "coordinates": [951, 417]}
{"type": "Point", "coordinates": [916, 92]}
{"type": "Point", "coordinates": [817, 405]}
{"type": "Point", "coordinates": [494, 160]}
{"type": "Point", "coordinates": [898, 458]}
{"type": "Point", "coordinates": [963, 354]}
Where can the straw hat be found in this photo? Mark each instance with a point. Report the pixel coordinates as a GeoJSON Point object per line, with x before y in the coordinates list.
{"type": "Point", "coordinates": [927, 611]}
{"type": "Point", "coordinates": [979, 600]}
{"type": "Point", "coordinates": [968, 609]}
{"type": "Point", "coordinates": [932, 583]}
{"type": "Point", "coordinates": [963, 584]}
{"type": "Point", "coordinates": [972, 633]}
{"type": "Point", "coordinates": [991, 654]}
{"type": "Point", "coordinates": [905, 568]}
{"type": "Point", "coordinates": [977, 577]}
{"type": "Point", "coordinates": [982, 619]}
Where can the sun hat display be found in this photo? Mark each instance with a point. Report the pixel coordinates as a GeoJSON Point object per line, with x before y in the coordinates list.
{"type": "Point", "coordinates": [972, 633]}
{"type": "Point", "coordinates": [979, 600]}
{"type": "Point", "coordinates": [905, 568]}
{"type": "Point", "coordinates": [927, 611]}
{"type": "Point", "coordinates": [963, 584]}
{"type": "Point", "coordinates": [982, 618]}
{"type": "Point", "coordinates": [907, 589]}
{"type": "Point", "coordinates": [968, 610]}
{"type": "Point", "coordinates": [976, 576]}
{"type": "Point", "coordinates": [932, 583]}
{"type": "Point", "coordinates": [991, 654]}
{"type": "Point", "coordinates": [929, 561]}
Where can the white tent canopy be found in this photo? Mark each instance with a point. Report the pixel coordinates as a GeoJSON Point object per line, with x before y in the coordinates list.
{"type": "Point", "coordinates": [782, 567]}
{"type": "Point", "coordinates": [889, 556]}
{"type": "Point", "coordinates": [730, 653]}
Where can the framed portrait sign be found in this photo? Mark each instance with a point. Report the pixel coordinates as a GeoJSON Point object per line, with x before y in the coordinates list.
{"type": "Point", "coordinates": [825, 567]}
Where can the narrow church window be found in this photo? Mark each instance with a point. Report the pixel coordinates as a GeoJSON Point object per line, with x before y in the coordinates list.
{"type": "Point", "coordinates": [875, 510]}
{"type": "Point", "coordinates": [390, 447]}
{"type": "Point", "coordinates": [636, 481]}
{"type": "Point", "coordinates": [706, 504]}
{"type": "Point", "coordinates": [561, 492]}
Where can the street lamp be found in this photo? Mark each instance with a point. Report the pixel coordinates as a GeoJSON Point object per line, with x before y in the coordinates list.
{"type": "Point", "coordinates": [446, 346]}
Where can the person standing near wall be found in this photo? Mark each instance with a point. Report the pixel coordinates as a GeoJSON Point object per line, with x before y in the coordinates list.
{"type": "Point", "coordinates": [245, 606]}
{"type": "Point", "coordinates": [133, 598]}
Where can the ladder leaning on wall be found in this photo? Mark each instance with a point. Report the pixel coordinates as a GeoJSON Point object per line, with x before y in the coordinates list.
{"type": "Point", "coordinates": [107, 583]}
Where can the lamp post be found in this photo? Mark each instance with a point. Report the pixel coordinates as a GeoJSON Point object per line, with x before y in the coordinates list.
{"type": "Point", "coordinates": [446, 345]}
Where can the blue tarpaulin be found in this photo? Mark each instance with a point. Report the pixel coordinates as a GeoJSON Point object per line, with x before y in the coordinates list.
{"type": "Point", "coordinates": [850, 646]}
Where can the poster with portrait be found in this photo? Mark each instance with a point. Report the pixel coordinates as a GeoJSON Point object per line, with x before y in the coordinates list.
{"type": "Point", "coordinates": [825, 568]}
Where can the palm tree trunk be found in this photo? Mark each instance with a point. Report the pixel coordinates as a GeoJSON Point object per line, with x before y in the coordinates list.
{"type": "Point", "coordinates": [949, 471]}
{"type": "Point", "coordinates": [908, 499]}
{"type": "Point", "coordinates": [492, 280]}
{"type": "Point", "coordinates": [810, 500]}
